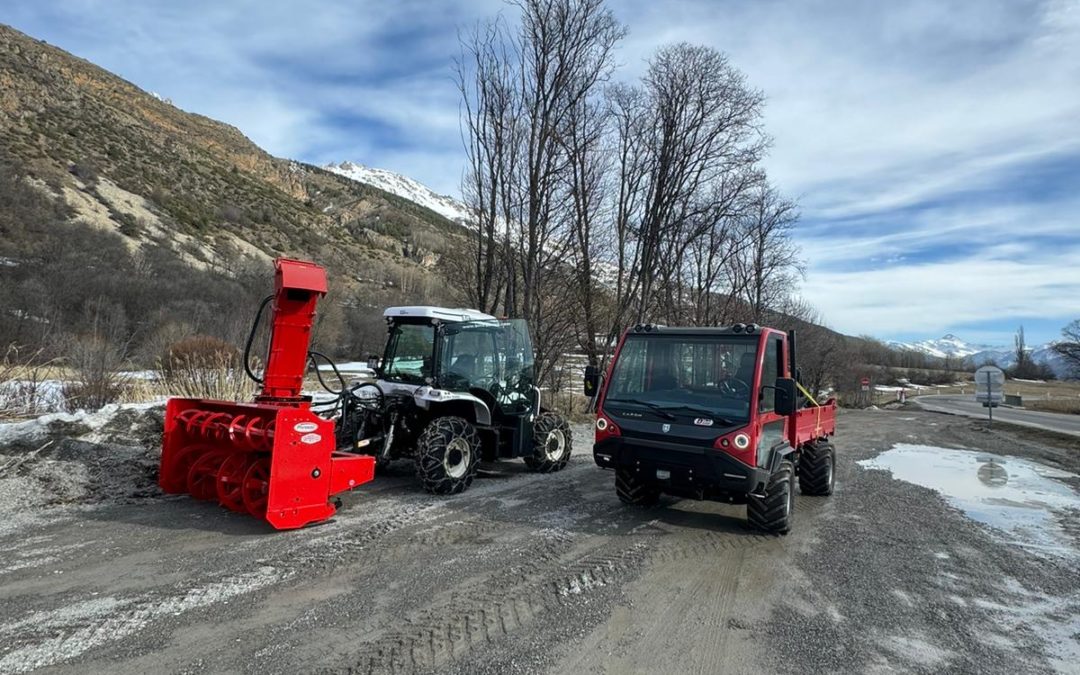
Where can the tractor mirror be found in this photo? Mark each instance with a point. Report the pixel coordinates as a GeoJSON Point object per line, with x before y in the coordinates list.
{"type": "Point", "coordinates": [592, 380]}
{"type": "Point", "coordinates": [785, 396]}
{"type": "Point", "coordinates": [373, 362]}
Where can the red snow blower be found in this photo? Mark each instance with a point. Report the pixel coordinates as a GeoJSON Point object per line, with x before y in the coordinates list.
{"type": "Point", "coordinates": [274, 458]}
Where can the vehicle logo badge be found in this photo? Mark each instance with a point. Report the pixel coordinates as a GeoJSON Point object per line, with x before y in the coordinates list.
{"type": "Point", "coordinates": [703, 421]}
{"type": "Point", "coordinates": [666, 428]}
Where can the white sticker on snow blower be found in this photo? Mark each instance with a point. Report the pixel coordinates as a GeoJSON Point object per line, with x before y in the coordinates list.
{"type": "Point", "coordinates": [310, 439]}
{"type": "Point", "coordinates": [305, 427]}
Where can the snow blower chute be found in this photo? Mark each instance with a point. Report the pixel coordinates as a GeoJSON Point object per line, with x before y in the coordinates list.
{"type": "Point", "coordinates": [273, 458]}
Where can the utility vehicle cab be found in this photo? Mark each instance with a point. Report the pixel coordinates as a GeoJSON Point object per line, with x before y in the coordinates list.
{"type": "Point", "coordinates": [710, 413]}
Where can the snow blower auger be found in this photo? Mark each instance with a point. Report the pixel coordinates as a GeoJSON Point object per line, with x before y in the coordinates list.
{"type": "Point", "coordinates": [275, 458]}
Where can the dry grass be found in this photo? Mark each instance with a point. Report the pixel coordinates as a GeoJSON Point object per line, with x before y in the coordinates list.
{"type": "Point", "coordinates": [27, 383]}
{"type": "Point", "coordinates": [1056, 405]}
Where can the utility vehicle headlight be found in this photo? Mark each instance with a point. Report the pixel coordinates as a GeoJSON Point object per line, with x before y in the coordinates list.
{"type": "Point", "coordinates": [742, 441]}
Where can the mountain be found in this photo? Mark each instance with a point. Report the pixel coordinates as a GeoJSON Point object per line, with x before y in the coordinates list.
{"type": "Point", "coordinates": [86, 156]}
{"type": "Point", "coordinates": [951, 347]}
{"type": "Point", "coordinates": [406, 188]}
{"type": "Point", "coordinates": [947, 346]}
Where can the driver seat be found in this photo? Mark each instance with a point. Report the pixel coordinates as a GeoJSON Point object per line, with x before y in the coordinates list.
{"type": "Point", "coordinates": [465, 366]}
{"type": "Point", "coordinates": [746, 368]}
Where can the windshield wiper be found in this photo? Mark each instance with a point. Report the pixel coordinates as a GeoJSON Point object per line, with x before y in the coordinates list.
{"type": "Point", "coordinates": [652, 406]}
{"type": "Point", "coordinates": [700, 411]}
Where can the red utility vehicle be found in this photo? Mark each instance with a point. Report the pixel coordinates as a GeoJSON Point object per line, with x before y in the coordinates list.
{"type": "Point", "coordinates": [712, 413]}
{"type": "Point", "coordinates": [274, 458]}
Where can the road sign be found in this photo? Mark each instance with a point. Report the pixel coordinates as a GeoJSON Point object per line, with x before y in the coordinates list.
{"type": "Point", "coordinates": [990, 388]}
{"type": "Point", "coordinates": [865, 384]}
{"type": "Point", "coordinates": [989, 385]}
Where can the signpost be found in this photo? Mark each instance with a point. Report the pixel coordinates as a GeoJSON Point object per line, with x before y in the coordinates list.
{"type": "Point", "coordinates": [990, 388]}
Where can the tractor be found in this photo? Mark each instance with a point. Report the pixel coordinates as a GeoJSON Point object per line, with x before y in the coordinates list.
{"type": "Point", "coordinates": [712, 413]}
{"type": "Point", "coordinates": [453, 387]}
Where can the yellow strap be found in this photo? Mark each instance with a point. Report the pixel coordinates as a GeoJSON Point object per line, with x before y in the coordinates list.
{"type": "Point", "coordinates": [807, 394]}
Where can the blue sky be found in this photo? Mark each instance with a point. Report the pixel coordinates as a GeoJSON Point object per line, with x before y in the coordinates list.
{"type": "Point", "coordinates": [934, 145]}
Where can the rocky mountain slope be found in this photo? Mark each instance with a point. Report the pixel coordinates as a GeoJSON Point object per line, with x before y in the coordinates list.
{"type": "Point", "coordinates": [126, 160]}
{"type": "Point", "coordinates": [86, 154]}
{"type": "Point", "coordinates": [406, 188]}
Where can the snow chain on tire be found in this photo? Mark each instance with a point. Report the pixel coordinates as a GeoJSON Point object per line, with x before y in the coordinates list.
{"type": "Point", "coordinates": [552, 444]}
{"type": "Point", "coordinates": [774, 512]}
{"type": "Point", "coordinates": [634, 491]}
{"type": "Point", "coordinates": [817, 466]}
{"type": "Point", "coordinates": [447, 455]}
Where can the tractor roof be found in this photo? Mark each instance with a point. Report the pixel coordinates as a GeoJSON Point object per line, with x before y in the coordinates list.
{"type": "Point", "coordinates": [441, 313]}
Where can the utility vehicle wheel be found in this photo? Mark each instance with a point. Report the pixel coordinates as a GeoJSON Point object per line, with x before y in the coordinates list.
{"type": "Point", "coordinates": [816, 468]}
{"type": "Point", "coordinates": [447, 455]}
{"type": "Point", "coordinates": [634, 491]}
{"type": "Point", "coordinates": [552, 443]}
{"type": "Point", "coordinates": [774, 511]}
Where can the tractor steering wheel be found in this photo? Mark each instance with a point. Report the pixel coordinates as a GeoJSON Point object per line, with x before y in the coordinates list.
{"type": "Point", "coordinates": [733, 387]}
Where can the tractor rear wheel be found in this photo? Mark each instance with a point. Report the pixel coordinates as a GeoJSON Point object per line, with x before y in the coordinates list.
{"type": "Point", "coordinates": [552, 444]}
{"type": "Point", "coordinates": [634, 491]}
{"type": "Point", "coordinates": [447, 455]}
{"type": "Point", "coordinates": [816, 468]}
{"type": "Point", "coordinates": [775, 511]}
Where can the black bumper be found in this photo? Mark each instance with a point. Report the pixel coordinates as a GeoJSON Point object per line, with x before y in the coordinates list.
{"type": "Point", "coordinates": [687, 470]}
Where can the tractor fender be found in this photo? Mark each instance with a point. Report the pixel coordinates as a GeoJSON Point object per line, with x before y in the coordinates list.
{"type": "Point", "coordinates": [428, 399]}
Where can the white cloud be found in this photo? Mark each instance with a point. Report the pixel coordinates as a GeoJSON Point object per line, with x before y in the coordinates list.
{"type": "Point", "coordinates": [874, 108]}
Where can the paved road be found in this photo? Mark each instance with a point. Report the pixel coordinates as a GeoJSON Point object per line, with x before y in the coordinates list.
{"type": "Point", "coordinates": [966, 405]}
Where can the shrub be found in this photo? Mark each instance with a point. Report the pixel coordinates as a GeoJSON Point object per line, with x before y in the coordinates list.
{"type": "Point", "coordinates": [98, 380]}
{"type": "Point", "coordinates": [202, 366]}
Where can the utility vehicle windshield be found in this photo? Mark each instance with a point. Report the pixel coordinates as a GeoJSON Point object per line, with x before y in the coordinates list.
{"type": "Point", "coordinates": [669, 375]}
{"type": "Point", "coordinates": [409, 353]}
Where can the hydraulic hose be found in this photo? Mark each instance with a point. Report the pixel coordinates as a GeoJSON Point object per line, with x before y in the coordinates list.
{"type": "Point", "coordinates": [312, 354]}
{"type": "Point", "coordinates": [251, 340]}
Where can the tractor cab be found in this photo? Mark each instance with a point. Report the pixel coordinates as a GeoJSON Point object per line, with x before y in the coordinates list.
{"type": "Point", "coordinates": [464, 369]}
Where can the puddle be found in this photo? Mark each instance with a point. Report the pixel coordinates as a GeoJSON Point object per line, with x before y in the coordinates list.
{"type": "Point", "coordinates": [1020, 499]}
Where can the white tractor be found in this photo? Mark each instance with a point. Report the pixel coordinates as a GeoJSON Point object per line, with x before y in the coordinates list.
{"type": "Point", "coordinates": [454, 387]}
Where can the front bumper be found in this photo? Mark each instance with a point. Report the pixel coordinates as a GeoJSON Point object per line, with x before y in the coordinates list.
{"type": "Point", "coordinates": [688, 470]}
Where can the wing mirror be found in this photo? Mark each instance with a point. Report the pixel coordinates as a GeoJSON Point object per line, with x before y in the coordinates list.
{"type": "Point", "coordinates": [373, 362]}
{"type": "Point", "coordinates": [592, 380]}
{"type": "Point", "coordinates": [786, 396]}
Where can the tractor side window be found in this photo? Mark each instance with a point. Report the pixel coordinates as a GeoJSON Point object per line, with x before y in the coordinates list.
{"type": "Point", "coordinates": [408, 355]}
{"type": "Point", "coordinates": [769, 372]}
{"type": "Point", "coordinates": [469, 358]}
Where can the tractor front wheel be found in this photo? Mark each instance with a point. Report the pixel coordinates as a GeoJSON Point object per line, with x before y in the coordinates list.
{"type": "Point", "coordinates": [775, 511]}
{"type": "Point", "coordinates": [447, 455]}
{"type": "Point", "coordinates": [552, 443]}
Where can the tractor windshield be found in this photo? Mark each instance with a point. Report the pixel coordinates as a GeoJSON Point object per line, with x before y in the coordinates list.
{"type": "Point", "coordinates": [492, 355]}
{"type": "Point", "coordinates": [409, 353]}
{"type": "Point", "coordinates": [676, 373]}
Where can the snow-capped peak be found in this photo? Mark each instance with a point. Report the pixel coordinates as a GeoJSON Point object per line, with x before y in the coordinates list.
{"type": "Point", "coordinates": [406, 188]}
{"type": "Point", "coordinates": [946, 346]}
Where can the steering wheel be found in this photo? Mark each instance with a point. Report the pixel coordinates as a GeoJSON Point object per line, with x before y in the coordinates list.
{"type": "Point", "coordinates": [733, 387]}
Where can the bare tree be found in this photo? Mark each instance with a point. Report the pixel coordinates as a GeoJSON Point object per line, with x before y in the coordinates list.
{"type": "Point", "coordinates": [768, 265]}
{"type": "Point", "coordinates": [1069, 347]}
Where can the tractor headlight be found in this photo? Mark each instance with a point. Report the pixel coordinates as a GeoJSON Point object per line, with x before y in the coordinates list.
{"type": "Point", "coordinates": [601, 424]}
{"type": "Point", "coordinates": [742, 441]}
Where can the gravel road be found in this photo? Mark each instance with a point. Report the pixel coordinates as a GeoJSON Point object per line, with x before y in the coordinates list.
{"type": "Point", "coordinates": [531, 573]}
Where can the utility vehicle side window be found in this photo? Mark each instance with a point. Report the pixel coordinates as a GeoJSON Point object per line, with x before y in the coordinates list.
{"type": "Point", "coordinates": [769, 372]}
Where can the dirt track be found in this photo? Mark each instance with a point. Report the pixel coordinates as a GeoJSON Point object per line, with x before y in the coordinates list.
{"type": "Point", "coordinates": [528, 573]}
